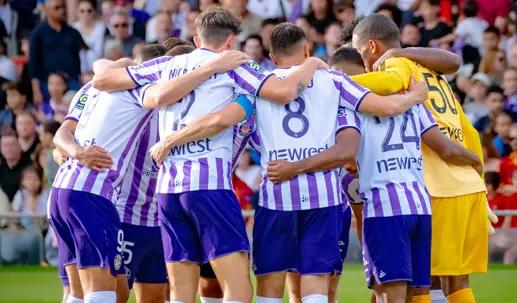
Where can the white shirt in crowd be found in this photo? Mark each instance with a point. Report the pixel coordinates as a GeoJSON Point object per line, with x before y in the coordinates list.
{"type": "Point", "coordinates": [95, 41]}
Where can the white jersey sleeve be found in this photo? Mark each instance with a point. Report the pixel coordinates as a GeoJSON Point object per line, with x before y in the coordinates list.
{"type": "Point", "coordinates": [351, 94]}
{"type": "Point", "coordinates": [427, 120]}
{"type": "Point", "coordinates": [149, 71]}
{"type": "Point", "coordinates": [249, 78]}
{"type": "Point", "coordinates": [347, 118]}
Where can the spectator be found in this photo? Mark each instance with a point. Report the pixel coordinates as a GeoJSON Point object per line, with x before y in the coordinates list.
{"type": "Point", "coordinates": [410, 36]}
{"type": "Point", "coordinates": [16, 104]}
{"type": "Point", "coordinates": [510, 92]}
{"type": "Point", "coordinates": [176, 16]}
{"type": "Point", "coordinates": [119, 24]}
{"type": "Point", "coordinates": [246, 180]}
{"type": "Point", "coordinates": [9, 18]}
{"type": "Point", "coordinates": [289, 10]}
{"type": "Point", "coordinates": [163, 27]}
{"type": "Point", "coordinates": [46, 136]}
{"type": "Point", "coordinates": [138, 18]}
{"type": "Point", "coordinates": [512, 55]}
{"type": "Point", "coordinates": [432, 29]}
{"type": "Point", "coordinates": [57, 107]}
{"type": "Point", "coordinates": [491, 39]}
{"type": "Point", "coordinates": [113, 50]}
{"type": "Point", "coordinates": [320, 17]}
{"type": "Point", "coordinates": [475, 106]}
{"type": "Point", "coordinates": [250, 22]}
{"type": "Point", "coordinates": [496, 200]}
{"type": "Point", "coordinates": [390, 11]}
{"type": "Point", "coordinates": [509, 164]}
{"type": "Point", "coordinates": [93, 32]}
{"type": "Point", "coordinates": [344, 11]}
{"type": "Point", "coordinates": [493, 64]}
{"type": "Point", "coordinates": [332, 38]}
{"type": "Point", "coordinates": [27, 134]}
{"type": "Point", "coordinates": [494, 103]}
{"type": "Point", "coordinates": [501, 142]}
{"type": "Point", "coordinates": [189, 30]}
{"type": "Point", "coordinates": [366, 8]}
{"type": "Point", "coordinates": [309, 32]}
{"type": "Point", "coordinates": [469, 30]}
{"type": "Point", "coordinates": [22, 61]}
{"type": "Point", "coordinates": [106, 11]}
{"type": "Point", "coordinates": [253, 47]}
{"type": "Point", "coordinates": [32, 197]}
{"type": "Point", "coordinates": [11, 164]}
{"type": "Point", "coordinates": [491, 10]}
{"type": "Point", "coordinates": [54, 47]}
{"type": "Point", "coordinates": [265, 31]}
{"type": "Point", "coordinates": [7, 67]}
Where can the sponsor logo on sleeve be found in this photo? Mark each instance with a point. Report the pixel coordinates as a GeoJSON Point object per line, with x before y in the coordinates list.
{"type": "Point", "coordinates": [81, 102]}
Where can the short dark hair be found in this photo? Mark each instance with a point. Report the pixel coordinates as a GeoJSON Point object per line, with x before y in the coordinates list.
{"type": "Point", "coordinates": [180, 50]}
{"type": "Point", "coordinates": [18, 86]}
{"type": "Point", "coordinates": [345, 54]}
{"type": "Point", "coordinates": [492, 29]}
{"type": "Point", "coordinates": [378, 27]}
{"type": "Point", "coordinates": [494, 89]}
{"type": "Point", "coordinates": [492, 178]}
{"type": "Point", "coordinates": [272, 21]}
{"type": "Point", "coordinates": [470, 8]}
{"type": "Point", "coordinates": [51, 126]}
{"type": "Point", "coordinates": [348, 30]}
{"type": "Point", "coordinates": [152, 51]}
{"type": "Point", "coordinates": [216, 24]}
{"type": "Point", "coordinates": [172, 42]}
{"type": "Point", "coordinates": [285, 37]}
{"type": "Point", "coordinates": [393, 9]}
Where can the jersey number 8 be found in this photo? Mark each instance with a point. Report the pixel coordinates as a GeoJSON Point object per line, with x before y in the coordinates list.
{"type": "Point", "coordinates": [298, 115]}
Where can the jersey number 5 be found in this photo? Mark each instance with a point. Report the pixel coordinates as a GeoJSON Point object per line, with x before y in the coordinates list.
{"type": "Point", "coordinates": [436, 84]}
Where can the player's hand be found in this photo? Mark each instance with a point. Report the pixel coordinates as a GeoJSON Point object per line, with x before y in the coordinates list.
{"type": "Point", "coordinates": [58, 157]}
{"type": "Point", "coordinates": [317, 62]}
{"type": "Point", "coordinates": [227, 60]}
{"type": "Point", "coordinates": [94, 157]}
{"type": "Point", "coordinates": [281, 170]}
{"type": "Point", "coordinates": [492, 219]}
{"type": "Point", "coordinates": [159, 152]}
{"type": "Point", "coordinates": [417, 91]}
{"type": "Point", "coordinates": [391, 53]}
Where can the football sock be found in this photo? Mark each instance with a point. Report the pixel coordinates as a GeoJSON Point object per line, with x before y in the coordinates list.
{"type": "Point", "coordinates": [210, 300]}
{"type": "Point", "coordinates": [316, 298]}
{"type": "Point", "coordinates": [462, 296]}
{"type": "Point", "coordinates": [268, 300]}
{"type": "Point", "coordinates": [437, 296]}
{"type": "Point", "coordinates": [421, 299]}
{"type": "Point", "coordinates": [100, 297]}
{"type": "Point", "coordinates": [71, 299]}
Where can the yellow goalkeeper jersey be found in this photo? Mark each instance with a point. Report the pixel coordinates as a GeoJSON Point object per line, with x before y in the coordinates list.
{"type": "Point", "coordinates": [442, 179]}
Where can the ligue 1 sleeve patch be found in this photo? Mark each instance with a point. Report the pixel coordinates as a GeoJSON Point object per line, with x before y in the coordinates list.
{"type": "Point", "coordinates": [255, 66]}
{"type": "Point", "coordinates": [81, 102]}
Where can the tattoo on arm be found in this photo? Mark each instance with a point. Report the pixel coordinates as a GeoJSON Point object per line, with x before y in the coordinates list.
{"type": "Point", "coordinates": [299, 88]}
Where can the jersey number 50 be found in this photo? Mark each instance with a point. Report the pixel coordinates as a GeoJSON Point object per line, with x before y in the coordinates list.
{"type": "Point", "coordinates": [436, 84]}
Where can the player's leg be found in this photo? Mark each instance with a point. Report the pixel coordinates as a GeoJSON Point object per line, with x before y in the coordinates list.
{"type": "Point", "coordinates": [209, 289]}
{"type": "Point", "coordinates": [95, 224]}
{"type": "Point", "coordinates": [321, 231]}
{"type": "Point", "coordinates": [218, 221]}
{"type": "Point", "coordinates": [74, 284]}
{"type": "Point", "coordinates": [181, 247]}
{"type": "Point", "coordinates": [275, 251]}
{"type": "Point", "coordinates": [387, 254]}
{"type": "Point", "coordinates": [293, 287]}
{"type": "Point", "coordinates": [122, 289]}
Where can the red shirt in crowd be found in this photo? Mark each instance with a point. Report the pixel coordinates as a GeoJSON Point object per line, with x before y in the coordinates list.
{"type": "Point", "coordinates": [498, 203]}
{"type": "Point", "coordinates": [491, 9]}
{"type": "Point", "coordinates": [506, 168]}
{"type": "Point", "coordinates": [511, 204]}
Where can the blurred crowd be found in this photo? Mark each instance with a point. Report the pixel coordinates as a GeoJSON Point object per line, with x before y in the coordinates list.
{"type": "Point", "coordinates": [47, 48]}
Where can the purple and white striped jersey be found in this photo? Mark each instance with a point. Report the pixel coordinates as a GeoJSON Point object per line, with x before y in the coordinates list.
{"type": "Point", "coordinates": [137, 202]}
{"type": "Point", "coordinates": [350, 188]}
{"type": "Point", "coordinates": [389, 160]}
{"type": "Point", "coordinates": [298, 130]}
{"type": "Point", "coordinates": [114, 121]}
{"type": "Point", "coordinates": [203, 164]}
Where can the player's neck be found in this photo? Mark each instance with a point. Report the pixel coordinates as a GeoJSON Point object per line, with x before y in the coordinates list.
{"type": "Point", "coordinates": [215, 49]}
{"type": "Point", "coordinates": [287, 62]}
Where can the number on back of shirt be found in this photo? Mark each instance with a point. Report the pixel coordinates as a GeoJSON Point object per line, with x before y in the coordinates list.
{"type": "Point", "coordinates": [445, 99]}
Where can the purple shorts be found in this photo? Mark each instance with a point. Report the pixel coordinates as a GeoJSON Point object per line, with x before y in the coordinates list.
{"type": "Point", "coordinates": [199, 226]}
{"type": "Point", "coordinates": [344, 240]}
{"type": "Point", "coordinates": [62, 274]}
{"type": "Point", "coordinates": [304, 241]}
{"type": "Point", "coordinates": [398, 248]}
{"type": "Point", "coordinates": [87, 228]}
{"type": "Point", "coordinates": [143, 254]}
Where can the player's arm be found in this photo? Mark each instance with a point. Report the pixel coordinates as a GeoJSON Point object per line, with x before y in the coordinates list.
{"type": "Point", "coordinates": [204, 127]}
{"type": "Point", "coordinates": [438, 60]}
{"type": "Point", "coordinates": [338, 155]}
{"type": "Point", "coordinates": [357, 209]}
{"type": "Point", "coordinates": [283, 91]}
{"type": "Point", "coordinates": [449, 150]}
{"type": "Point", "coordinates": [392, 105]}
{"type": "Point", "coordinates": [93, 156]}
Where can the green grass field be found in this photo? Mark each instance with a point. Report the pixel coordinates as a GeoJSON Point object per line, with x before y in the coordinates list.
{"type": "Point", "coordinates": [35, 284]}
